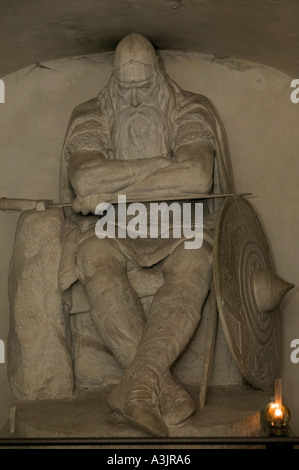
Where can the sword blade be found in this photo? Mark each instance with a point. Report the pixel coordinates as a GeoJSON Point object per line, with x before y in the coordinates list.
{"type": "Point", "coordinates": [29, 204]}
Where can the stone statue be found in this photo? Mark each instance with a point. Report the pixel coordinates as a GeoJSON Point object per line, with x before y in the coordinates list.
{"type": "Point", "coordinates": [143, 137]}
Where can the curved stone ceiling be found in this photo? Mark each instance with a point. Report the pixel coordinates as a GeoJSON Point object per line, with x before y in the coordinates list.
{"type": "Point", "coordinates": [262, 31]}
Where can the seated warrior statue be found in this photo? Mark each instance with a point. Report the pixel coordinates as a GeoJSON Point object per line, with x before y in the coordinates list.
{"type": "Point", "coordinates": [143, 137]}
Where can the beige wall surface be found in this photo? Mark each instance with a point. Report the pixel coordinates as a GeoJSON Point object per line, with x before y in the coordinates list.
{"type": "Point", "coordinates": [261, 125]}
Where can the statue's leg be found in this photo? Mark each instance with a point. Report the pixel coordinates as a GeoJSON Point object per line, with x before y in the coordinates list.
{"type": "Point", "coordinates": [116, 309]}
{"type": "Point", "coordinates": [173, 318]}
{"type": "Point", "coordinates": [118, 314]}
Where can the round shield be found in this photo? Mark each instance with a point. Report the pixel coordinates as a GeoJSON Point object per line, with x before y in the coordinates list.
{"type": "Point", "coordinates": [241, 254]}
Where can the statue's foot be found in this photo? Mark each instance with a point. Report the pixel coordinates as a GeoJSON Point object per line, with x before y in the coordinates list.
{"type": "Point", "coordinates": [137, 401]}
{"type": "Point", "coordinates": [176, 403]}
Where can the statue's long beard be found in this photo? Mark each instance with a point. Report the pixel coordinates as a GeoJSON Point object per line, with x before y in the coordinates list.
{"type": "Point", "coordinates": [139, 133]}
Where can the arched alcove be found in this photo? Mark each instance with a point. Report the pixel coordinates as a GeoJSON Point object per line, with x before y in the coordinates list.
{"type": "Point", "coordinates": [255, 107]}
{"type": "Point", "coordinates": [242, 55]}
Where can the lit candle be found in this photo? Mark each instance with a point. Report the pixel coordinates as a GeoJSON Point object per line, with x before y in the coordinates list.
{"type": "Point", "coordinates": [276, 413]}
{"type": "Point", "coordinates": [278, 417]}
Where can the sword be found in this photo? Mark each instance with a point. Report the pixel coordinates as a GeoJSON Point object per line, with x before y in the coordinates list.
{"type": "Point", "coordinates": [17, 204]}
{"type": "Point", "coordinates": [14, 204]}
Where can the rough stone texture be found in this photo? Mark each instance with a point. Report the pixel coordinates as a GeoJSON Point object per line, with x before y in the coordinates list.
{"type": "Point", "coordinates": [39, 361]}
{"type": "Point", "coordinates": [231, 411]}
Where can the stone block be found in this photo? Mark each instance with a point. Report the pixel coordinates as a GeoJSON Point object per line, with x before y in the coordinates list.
{"type": "Point", "coordinates": [39, 343]}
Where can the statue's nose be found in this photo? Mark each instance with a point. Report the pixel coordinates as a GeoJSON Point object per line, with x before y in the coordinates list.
{"type": "Point", "coordinates": [135, 102]}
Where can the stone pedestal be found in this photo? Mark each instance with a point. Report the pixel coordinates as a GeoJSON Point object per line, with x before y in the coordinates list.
{"type": "Point", "coordinates": [230, 412]}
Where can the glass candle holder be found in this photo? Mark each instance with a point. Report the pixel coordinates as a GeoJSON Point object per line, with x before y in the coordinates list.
{"type": "Point", "coordinates": [277, 417]}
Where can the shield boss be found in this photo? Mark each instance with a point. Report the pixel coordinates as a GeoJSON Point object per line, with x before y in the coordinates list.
{"type": "Point", "coordinates": [241, 252]}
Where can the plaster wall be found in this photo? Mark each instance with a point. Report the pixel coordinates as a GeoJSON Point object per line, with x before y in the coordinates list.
{"type": "Point", "coordinates": [261, 126]}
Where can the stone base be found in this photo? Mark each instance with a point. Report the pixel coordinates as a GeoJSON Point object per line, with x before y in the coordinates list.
{"type": "Point", "coordinates": [229, 412]}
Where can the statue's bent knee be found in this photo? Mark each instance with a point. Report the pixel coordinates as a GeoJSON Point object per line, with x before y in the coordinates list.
{"type": "Point", "coordinates": [96, 255]}
{"type": "Point", "coordinates": [194, 264]}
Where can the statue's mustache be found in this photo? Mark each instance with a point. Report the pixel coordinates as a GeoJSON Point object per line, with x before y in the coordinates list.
{"type": "Point", "coordinates": [141, 109]}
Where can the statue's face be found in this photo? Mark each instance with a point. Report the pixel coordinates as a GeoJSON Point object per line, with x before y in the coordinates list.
{"type": "Point", "coordinates": [139, 128]}
{"type": "Point", "coordinates": [136, 94]}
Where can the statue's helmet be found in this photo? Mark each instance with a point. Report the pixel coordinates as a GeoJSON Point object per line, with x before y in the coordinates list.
{"type": "Point", "coordinates": [135, 59]}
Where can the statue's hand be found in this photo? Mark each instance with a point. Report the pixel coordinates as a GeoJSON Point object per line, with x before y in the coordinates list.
{"type": "Point", "coordinates": [81, 204]}
{"type": "Point", "coordinates": [88, 204]}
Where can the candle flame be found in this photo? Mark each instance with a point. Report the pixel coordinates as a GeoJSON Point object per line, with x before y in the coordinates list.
{"type": "Point", "coordinates": [277, 412]}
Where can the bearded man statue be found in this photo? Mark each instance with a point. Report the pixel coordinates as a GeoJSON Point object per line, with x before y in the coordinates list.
{"type": "Point", "coordinates": [145, 138]}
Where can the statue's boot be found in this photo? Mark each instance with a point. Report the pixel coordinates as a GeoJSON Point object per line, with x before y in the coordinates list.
{"type": "Point", "coordinates": [148, 409]}
{"type": "Point", "coordinates": [137, 399]}
{"type": "Point", "coordinates": [175, 402]}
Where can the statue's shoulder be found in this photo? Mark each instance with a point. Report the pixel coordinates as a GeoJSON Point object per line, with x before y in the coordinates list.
{"type": "Point", "coordinates": [186, 100]}
{"type": "Point", "coordinates": [85, 109]}
{"type": "Point", "coordinates": [192, 99]}
{"type": "Point", "coordinates": [84, 117]}
{"type": "Point", "coordinates": [190, 104]}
